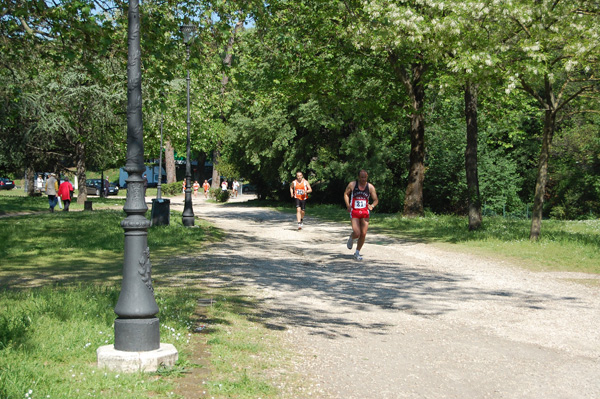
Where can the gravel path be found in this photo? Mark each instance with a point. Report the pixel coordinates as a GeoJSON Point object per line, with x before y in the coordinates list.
{"type": "Point", "coordinates": [411, 320]}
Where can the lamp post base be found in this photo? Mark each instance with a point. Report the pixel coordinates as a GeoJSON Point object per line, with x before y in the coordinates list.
{"type": "Point", "coordinates": [132, 362]}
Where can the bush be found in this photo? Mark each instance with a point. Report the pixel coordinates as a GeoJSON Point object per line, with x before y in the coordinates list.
{"type": "Point", "coordinates": [218, 194]}
{"type": "Point", "coordinates": [171, 188]}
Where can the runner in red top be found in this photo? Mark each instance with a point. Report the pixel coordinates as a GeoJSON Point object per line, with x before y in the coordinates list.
{"type": "Point", "coordinates": [357, 196]}
{"type": "Point", "coordinates": [299, 190]}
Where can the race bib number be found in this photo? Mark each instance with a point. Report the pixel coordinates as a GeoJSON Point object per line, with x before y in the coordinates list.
{"type": "Point", "coordinates": [360, 204]}
{"type": "Point", "coordinates": [299, 192]}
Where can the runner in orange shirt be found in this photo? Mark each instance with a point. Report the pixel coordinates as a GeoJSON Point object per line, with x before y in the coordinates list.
{"type": "Point", "coordinates": [299, 190]}
{"type": "Point", "coordinates": [196, 187]}
{"type": "Point", "coordinates": [206, 187]}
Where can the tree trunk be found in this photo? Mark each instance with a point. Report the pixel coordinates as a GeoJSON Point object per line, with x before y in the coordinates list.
{"type": "Point", "coordinates": [411, 76]}
{"type": "Point", "coordinates": [215, 172]}
{"type": "Point", "coordinates": [170, 162]}
{"type": "Point", "coordinates": [199, 174]}
{"type": "Point", "coordinates": [542, 177]}
{"type": "Point", "coordinates": [471, 157]}
{"type": "Point", "coordinates": [30, 177]}
{"type": "Point", "coordinates": [81, 177]}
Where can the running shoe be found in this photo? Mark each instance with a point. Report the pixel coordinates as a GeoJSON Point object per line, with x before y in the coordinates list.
{"type": "Point", "coordinates": [299, 226]}
{"type": "Point", "coordinates": [357, 256]}
{"type": "Point", "coordinates": [350, 241]}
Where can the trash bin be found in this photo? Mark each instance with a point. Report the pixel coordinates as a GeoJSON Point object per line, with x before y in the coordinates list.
{"type": "Point", "coordinates": [161, 212]}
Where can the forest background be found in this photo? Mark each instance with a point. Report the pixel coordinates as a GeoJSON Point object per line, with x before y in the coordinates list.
{"type": "Point", "coordinates": [464, 107]}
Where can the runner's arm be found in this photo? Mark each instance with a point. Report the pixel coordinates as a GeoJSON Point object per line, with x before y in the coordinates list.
{"type": "Point", "coordinates": [308, 187]}
{"type": "Point", "coordinates": [374, 196]}
{"type": "Point", "coordinates": [347, 192]}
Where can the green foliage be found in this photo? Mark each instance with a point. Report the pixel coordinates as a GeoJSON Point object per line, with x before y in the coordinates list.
{"type": "Point", "coordinates": [219, 195]}
{"type": "Point", "coordinates": [171, 188]}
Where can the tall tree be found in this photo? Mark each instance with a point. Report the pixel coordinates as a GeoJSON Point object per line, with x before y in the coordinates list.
{"type": "Point", "coordinates": [553, 56]}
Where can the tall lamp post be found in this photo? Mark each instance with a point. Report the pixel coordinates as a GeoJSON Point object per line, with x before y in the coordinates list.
{"type": "Point", "coordinates": [188, 211]}
{"type": "Point", "coordinates": [137, 335]}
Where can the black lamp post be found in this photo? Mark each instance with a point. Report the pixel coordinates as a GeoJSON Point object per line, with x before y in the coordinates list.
{"type": "Point", "coordinates": [188, 211]}
{"type": "Point", "coordinates": [137, 327]}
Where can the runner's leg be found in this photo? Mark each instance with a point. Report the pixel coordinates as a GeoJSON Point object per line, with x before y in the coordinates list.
{"type": "Point", "coordinates": [363, 226]}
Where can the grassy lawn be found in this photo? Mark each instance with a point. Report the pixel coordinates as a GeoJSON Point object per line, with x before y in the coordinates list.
{"type": "Point", "coordinates": [59, 282]}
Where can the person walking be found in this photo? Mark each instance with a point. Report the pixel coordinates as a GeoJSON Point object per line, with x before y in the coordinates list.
{"type": "Point", "coordinates": [235, 186]}
{"type": "Point", "coordinates": [357, 196]}
{"type": "Point", "coordinates": [206, 187]}
{"type": "Point", "coordinates": [224, 185]}
{"type": "Point", "coordinates": [65, 191]}
{"type": "Point", "coordinates": [51, 191]}
{"type": "Point", "coordinates": [196, 187]}
{"type": "Point", "coordinates": [299, 190]}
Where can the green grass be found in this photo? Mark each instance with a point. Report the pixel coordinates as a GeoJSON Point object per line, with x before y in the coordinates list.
{"type": "Point", "coordinates": [60, 279]}
{"type": "Point", "coordinates": [563, 245]}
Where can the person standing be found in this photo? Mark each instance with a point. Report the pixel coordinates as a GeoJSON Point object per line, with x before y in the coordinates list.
{"type": "Point", "coordinates": [206, 187]}
{"type": "Point", "coordinates": [196, 187]}
{"type": "Point", "coordinates": [235, 186]}
{"type": "Point", "coordinates": [299, 190]}
{"type": "Point", "coordinates": [105, 187]}
{"type": "Point", "coordinates": [51, 191]}
{"type": "Point", "coordinates": [65, 191]}
{"type": "Point", "coordinates": [39, 184]}
{"type": "Point", "coordinates": [145, 185]}
{"type": "Point", "coordinates": [357, 196]}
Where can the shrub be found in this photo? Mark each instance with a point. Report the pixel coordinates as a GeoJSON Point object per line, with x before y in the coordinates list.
{"type": "Point", "coordinates": [171, 188]}
{"type": "Point", "coordinates": [219, 195]}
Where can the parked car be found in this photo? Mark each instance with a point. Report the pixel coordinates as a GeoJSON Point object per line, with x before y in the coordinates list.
{"type": "Point", "coordinates": [94, 186]}
{"type": "Point", "coordinates": [6, 184]}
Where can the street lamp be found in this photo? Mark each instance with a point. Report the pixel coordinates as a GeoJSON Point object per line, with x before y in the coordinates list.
{"type": "Point", "coordinates": [137, 344]}
{"type": "Point", "coordinates": [188, 212]}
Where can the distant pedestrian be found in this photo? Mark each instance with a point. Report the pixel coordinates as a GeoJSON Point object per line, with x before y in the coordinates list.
{"type": "Point", "coordinates": [299, 190]}
{"type": "Point", "coordinates": [65, 192]}
{"type": "Point", "coordinates": [105, 187]}
{"type": "Point", "coordinates": [224, 185]}
{"type": "Point", "coordinates": [234, 187]}
{"type": "Point", "coordinates": [206, 187]}
{"type": "Point", "coordinates": [183, 186]}
{"type": "Point", "coordinates": [357, 196]}
{"type": "Point", "coordinates": [39, 183]}
{"type": "Point", "coordinates": [51, 191]}
{"type": "Point", "coordinates": [196, 187]}
{"type": "Point", "coordinates": [145, 185]}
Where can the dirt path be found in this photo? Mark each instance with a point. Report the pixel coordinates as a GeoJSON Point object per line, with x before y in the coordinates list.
{"type": "Point", "coordinates": [411, 320]}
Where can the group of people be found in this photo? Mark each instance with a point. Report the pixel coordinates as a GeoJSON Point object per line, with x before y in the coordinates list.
{"type": "Point", "coordinates": [360, 197]}
{"type": "Point", "coordinates": [56, 192]}
{"type": "Point", "coordinates": [206, 186]}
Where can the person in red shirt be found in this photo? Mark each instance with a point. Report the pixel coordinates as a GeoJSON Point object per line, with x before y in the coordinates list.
{"type": "Point", "coordinates": [299, 190]}
{"type": "Point", "coordinates": [357, 196]}
{"type": "Point", "coordinates": [64, 192]}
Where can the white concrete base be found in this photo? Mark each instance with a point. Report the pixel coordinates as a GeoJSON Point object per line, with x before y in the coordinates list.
{"type": "Point", "coordinates": [131, 362]}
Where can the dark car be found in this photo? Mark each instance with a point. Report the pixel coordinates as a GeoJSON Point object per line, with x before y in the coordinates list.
{"type": "Point", "coordinates": [6, 184]}
{"type": "Point", "coordinates": [94, 186]}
